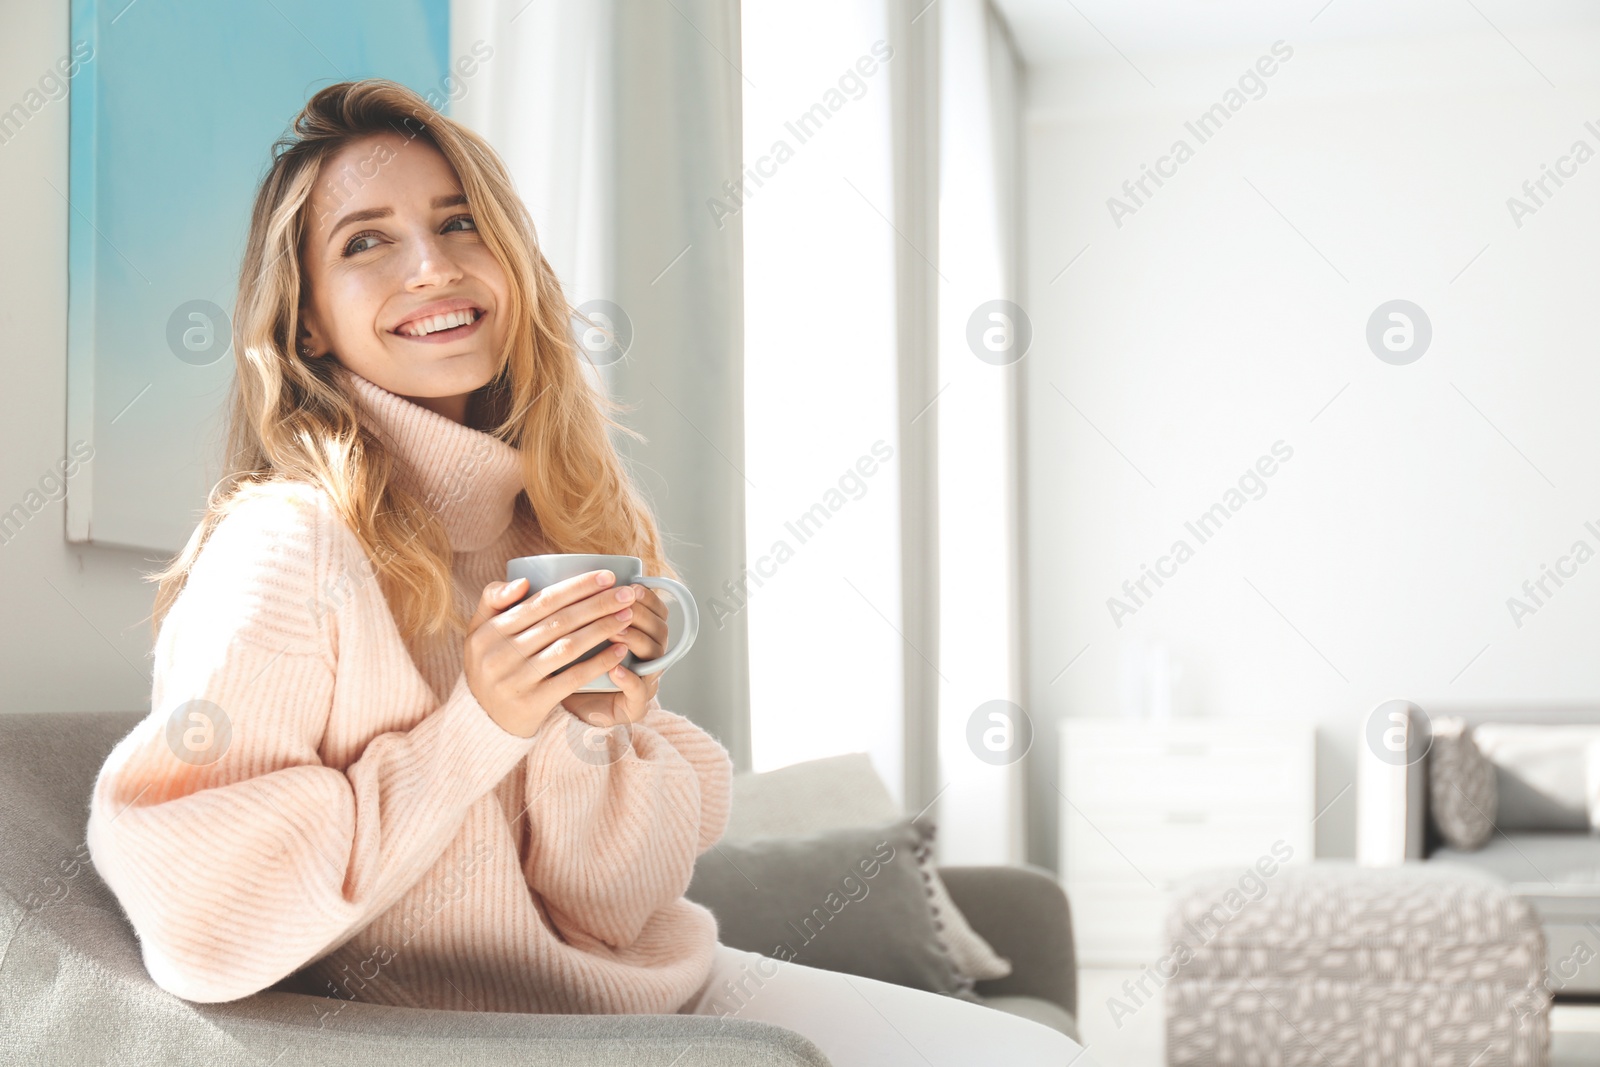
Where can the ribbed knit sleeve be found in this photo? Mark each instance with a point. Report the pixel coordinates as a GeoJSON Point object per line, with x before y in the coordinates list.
{"type": "Point", "coordinates": [238, 855]}
{"type": "Point", "coordinates": [615, 827]}
{"type": "Point", "coordinates": [710, 761]}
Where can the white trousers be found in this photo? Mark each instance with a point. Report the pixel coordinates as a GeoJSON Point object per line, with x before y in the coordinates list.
{"type": "Point", "coordinates": [862, 1022]}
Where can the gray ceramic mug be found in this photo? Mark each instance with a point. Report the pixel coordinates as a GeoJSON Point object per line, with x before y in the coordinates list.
{"type": "Point", "coordinates": [558, 567]}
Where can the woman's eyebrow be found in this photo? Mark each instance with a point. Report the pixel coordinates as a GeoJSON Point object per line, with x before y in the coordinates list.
{"type": "Point", "coordinates": [367, 214]}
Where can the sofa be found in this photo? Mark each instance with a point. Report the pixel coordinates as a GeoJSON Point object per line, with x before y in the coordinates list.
{"type": "Point", "coordinates": [73, 987]}
{"type": "Point", "coordinates": [1557, 872]}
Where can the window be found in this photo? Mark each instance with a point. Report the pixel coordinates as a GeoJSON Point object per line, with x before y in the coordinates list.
{"type": "Point", "coordinates": [820, 394]}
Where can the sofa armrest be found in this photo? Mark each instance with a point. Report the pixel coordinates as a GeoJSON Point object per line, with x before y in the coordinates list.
{"type": "Point", "coordinates": [401, 1037]}
{"type": "Point", "coordinates": [1391, 784]}
{"type": "Point", "coordinates": [1023, 912]}
{"type": "Point", "coordinates": [70, 1009]}
{"type": "Point", "coordinates": [77, 992]}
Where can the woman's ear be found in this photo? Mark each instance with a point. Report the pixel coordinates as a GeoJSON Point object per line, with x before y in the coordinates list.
{"type": "Point", "coordinates": [308, 340]}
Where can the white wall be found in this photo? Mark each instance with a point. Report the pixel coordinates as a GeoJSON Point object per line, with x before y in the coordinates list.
{"type": "Point", "coordinates": [75, 630]}
{"type": "Point", "coordinates": [1209, 326]}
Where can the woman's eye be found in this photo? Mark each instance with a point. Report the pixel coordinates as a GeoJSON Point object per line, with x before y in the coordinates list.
{"type": "Point", "coordinates": [352, 241]}
{"type": "Point", "coordinates": [350, 250]}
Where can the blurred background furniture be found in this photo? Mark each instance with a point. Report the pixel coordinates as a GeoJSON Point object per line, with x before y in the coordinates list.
{"type": "Point", "coordinates": [1147, 802]}
{"type": "Point", "coordinates": [76, 990]}
{"type": "Point", "coordinates": [1331, 962]}
{"type": "Point", "coordinates": [1557, 871]}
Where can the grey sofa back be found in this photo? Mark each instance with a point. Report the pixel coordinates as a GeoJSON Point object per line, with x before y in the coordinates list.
{"type": "Point", "coordinates": [47, 767]}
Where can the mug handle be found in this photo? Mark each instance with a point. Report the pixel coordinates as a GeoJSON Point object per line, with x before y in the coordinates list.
{"type": "Point", "coordinates": [691, 625]}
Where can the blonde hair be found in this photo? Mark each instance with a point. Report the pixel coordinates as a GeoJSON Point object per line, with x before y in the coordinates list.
{"type": "Point", "coordinates": [290, 418]}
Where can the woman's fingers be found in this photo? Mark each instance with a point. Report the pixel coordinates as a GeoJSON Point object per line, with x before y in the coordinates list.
{"type": "Point", "coordinates": [496, 598]}
{"type": "Point", "coordinates": [561, 609]}
{"type": "Point", "coordinates": [643, 646]}
{"type": "Point", "coordinates": [636, 691]}
{"type": "Point", "coordinates": [646, 637]}
{"type": "Point", "coordinates": [648, 598]}
{"type": "Point", "coordinates": [568, 682]}
{"type": "Point", "coordinates": [564, 650]}
{"type": "Point", "coordinates": [564, 607]}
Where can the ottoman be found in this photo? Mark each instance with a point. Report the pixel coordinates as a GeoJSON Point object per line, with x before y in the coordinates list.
{"type": "Point", "coordinates": [1330, 964]}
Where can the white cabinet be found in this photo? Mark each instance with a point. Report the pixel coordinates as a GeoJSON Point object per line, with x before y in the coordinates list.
{"type": "Point", "coordinates": [1144, 803]}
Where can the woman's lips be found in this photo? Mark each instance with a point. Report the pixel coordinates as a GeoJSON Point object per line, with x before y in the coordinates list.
{"type": "Point", "coordinates": [446, 336]}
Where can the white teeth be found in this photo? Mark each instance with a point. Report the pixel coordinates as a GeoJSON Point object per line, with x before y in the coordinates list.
{"type": "Point", "coordinates": [435, 323]}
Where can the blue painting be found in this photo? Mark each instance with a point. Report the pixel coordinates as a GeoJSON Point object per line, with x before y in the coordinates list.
{"type": "Point", "coordinates": [173, 115]}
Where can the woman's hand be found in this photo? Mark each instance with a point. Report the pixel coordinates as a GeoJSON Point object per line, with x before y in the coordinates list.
{"type": "Point", "coordinates": [606, 710]}
{"type": "Point", "coordinates": [511, 651]}
{"type": "Point", "coordinates": [646, 638]}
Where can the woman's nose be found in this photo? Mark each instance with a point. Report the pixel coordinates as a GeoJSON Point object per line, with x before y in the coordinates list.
{"type": "Point", "coordinates": [432, 263]}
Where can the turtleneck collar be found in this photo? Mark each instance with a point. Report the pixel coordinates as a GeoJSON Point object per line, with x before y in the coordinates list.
{"type": "Point", "coordinates": [469, 478]}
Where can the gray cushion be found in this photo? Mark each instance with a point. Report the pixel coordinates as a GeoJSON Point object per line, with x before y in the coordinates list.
{"type": "Point", "coordinates": [809, 797]}
{"type": "Point", "coordinates": [845, 790]}
{"type": "Point", "coordinates": [1540, 773]}
{"type": "Point", "coordinates": [1463, 792]}
{"type": "Point", "coordinates": [853, 899]}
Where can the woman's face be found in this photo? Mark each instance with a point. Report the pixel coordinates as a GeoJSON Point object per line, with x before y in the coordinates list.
{"type": "Point", "coordinates": [391, 238]}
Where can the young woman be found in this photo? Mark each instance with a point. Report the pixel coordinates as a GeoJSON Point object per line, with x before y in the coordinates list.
{"type": "Point", "coordinates": [365, 773]}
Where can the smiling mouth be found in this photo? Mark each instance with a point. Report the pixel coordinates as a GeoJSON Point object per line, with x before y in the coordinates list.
{"type": "Point", "coordinates": [445, 335]}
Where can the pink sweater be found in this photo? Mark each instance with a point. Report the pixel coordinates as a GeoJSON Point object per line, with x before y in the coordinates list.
{"type": "Point", "coordinates": [309, 794]}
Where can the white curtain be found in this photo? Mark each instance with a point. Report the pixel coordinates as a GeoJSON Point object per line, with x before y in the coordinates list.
{"type": "Point", "coordinates": [543, 99]}
{"type": "Point", "coordinates": [616, 129]}
{"type": "Point", "coordinates": [916, 28]}
{"type": "Point", "coordinates": [983, 734]}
